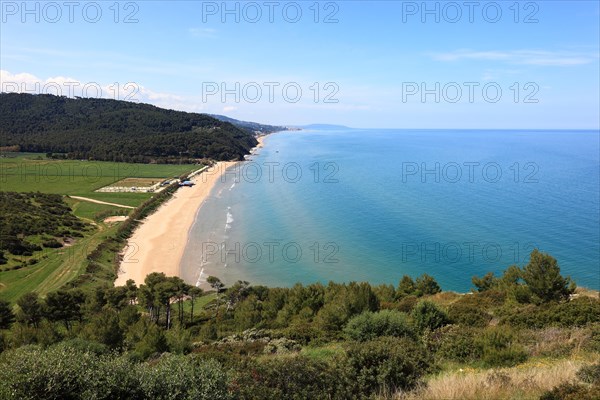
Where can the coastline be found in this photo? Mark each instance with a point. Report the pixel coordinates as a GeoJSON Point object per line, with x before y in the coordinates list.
{"type": "Point", "coordinates": [205, 272]}
{"type": "Point", "coordinates": [158, 244]}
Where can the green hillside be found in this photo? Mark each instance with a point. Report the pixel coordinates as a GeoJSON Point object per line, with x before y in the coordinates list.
{"type": "Point", "coordinates": [113, 130]}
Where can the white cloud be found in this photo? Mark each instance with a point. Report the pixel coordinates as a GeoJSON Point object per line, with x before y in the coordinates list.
{"type": "Point", "coordinates": [229, 108]}
{"type": "Point", "coordinates": [203, 32]}
{"type": "Point", "coordinates": [522, 57]}
{"type": "Point", "coordinates": [71, 87]}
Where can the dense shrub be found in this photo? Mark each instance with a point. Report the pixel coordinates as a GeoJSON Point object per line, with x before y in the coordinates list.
{"type": "Point", "coordinates": [383, 366]}
{"type": "Point", "coordinates": [427, 315]}
{"type": "Point", "coordinates": [468, 315]}
{"type": "Point", "coordinates": [281, 346]}
{"type": "Point", "coordinates": [61, 372]}
{"type": "Point", "coordinates": [181, 377]}
{"type": "Point", "coordinates": [575, 313]}
{"type": "Point", "coordinates": [293, 378]}
{"type": "Point", "coordinates": [594, 342]}
{"type": "Point", "coordinates": [500, 349]}
{"type": "Point", "coordinates": [590, 373]}
{"type": "Point", "coordinates": [406, 304]}
{"type": "Point", "coordinates": [457, 343]}
{"type": "Point", "coordinates": [52, 244]}
{"type": "Point", "coordinates": [146, 339]}
{"type": "Point", "coordinates": [369, 325]}
{"type": "Point", "coordinates": [572, 391]}
{"type": "Point", "coordinates": [66, 373]}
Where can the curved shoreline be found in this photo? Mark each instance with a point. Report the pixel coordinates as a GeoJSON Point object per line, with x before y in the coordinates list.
{"type": "Point", "coordinates": [158, 244]}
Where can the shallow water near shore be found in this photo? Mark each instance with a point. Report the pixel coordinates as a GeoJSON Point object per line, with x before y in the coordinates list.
{"type": "Point", "coordinates": [373, 205]}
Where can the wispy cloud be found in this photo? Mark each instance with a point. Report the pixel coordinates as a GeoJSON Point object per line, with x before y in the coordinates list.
{"type": "Point", "coordinates": [205, 33]}
{"type": "Point", "coordinates": [520, 57]}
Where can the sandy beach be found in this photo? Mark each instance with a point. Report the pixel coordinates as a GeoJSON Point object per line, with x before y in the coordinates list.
{"type": "Point", "coordinates": [158, 244]}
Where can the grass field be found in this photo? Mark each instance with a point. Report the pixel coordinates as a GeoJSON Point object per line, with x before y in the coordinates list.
{"type": "Point", "coordinates": [55, 267]}
{"type": "Point", "coordinates": [27, 172]}
{"type": "Point", "coordinates": [89, 211]}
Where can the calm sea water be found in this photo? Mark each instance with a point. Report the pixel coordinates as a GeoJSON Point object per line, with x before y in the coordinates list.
{"type": "Point", "coordinates": [373, 205]}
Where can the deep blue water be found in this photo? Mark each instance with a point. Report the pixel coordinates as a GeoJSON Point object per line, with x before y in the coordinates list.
{"type": "Point", "coordinates": [373, 205]}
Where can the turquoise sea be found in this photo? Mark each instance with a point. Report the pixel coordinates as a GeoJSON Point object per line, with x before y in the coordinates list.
{"type": "Point", "coordinates": [373, 205]}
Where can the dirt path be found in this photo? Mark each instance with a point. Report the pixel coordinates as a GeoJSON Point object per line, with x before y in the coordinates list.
{"type": "Point", "coordinates": [100, 202]}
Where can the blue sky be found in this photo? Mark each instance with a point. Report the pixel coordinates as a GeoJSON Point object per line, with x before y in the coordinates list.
{"type": "Point", "coordinates": [389, 64]}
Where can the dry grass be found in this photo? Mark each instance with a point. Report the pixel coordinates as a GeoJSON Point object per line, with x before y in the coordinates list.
{"type": "Point", "coordinates": [555, 342]}
{"type": "Point", "coordinates": [584, 292]}
{"type": "Point", "coordinates": [526, 381]}
{"type": "Point", "coordinates": [444, 299]}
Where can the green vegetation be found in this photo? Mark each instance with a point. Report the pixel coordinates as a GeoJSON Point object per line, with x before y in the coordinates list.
{"type": "Point", "coordinates": [48, 241]}
{"type": "Point", "coordinates": [30, 221]}
{"type": "Point", "coordinates": [113, 130]}
{"type": "Point", "coordinates": [26, 172]}
{"type": "Point", "coordinates": [168, 339]}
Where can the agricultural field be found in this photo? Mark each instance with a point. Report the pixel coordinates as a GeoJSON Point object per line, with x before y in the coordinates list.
{"type": "Point", "coordinates": [30, 172]}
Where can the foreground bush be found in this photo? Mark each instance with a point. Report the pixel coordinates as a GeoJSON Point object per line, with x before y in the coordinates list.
{"type": "Point", "coordinates": [63, 372]}
{"type": "Point", "coordinates": [369, 325]}
{"type": "Point", "coordinates": [180, 377]}
{"type": "Point", "coordinates": [289, 378]}
{"type": "Point", "coordinates": [572, 391]}
{"type": "Point", "coordinates": [384, 366]}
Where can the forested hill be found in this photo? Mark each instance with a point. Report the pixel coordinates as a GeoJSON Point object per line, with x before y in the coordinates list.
{"type": "Point", "coordinates": [113, 130]}
{"type": "Point", "coordinates": [254, 126]}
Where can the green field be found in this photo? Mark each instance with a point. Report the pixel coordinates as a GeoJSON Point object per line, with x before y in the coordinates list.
{"type": "Point", "coordinates": [90, 211]}
{"type": "Point", "coordinates": [55, 267]}
{"type": "Point", "coordinates": [27, 172]}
